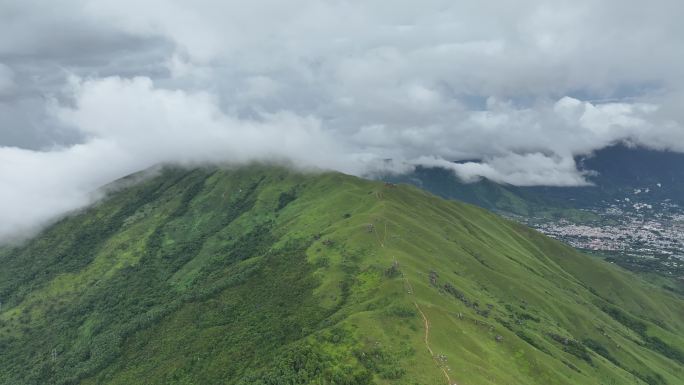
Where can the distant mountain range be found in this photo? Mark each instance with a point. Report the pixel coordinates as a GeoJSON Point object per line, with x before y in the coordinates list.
{"type": "Point", "coordinates": [620, 171]}
{"type": "Point", "coordinates": [615, 172]}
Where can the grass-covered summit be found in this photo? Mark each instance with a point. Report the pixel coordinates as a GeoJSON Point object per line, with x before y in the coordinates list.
{"type": "Point", "coordinates": [260, 275]}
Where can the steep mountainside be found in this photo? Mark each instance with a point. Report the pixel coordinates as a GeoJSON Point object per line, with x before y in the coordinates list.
{"type": "Point", "coordinates": [632, 214]}
{"type": "Point", "coordinates": [260, 275]}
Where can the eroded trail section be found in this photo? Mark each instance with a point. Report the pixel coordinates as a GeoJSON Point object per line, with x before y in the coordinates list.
{"type": "Point", "coordinates": [426, 321]}
{"type": "Point", "coordinates": [426, 324]}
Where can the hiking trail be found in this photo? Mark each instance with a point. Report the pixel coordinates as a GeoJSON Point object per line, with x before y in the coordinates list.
{"type": "Point", "coordinates": [426, 323]}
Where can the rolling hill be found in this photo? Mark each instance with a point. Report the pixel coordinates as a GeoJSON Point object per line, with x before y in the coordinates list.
{"type": "Point", "coordinates": [262, 275]}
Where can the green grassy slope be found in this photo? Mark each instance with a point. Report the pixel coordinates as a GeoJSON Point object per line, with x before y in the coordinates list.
{"type": "Point", "coordinates": [259, 275]}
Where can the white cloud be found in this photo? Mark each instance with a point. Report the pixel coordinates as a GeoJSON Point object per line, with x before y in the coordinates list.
{"type": "Point", "coordinates": [259, 87]}
{"type": "Point", "coordinates": [152, 125]}
{"type": "Point", "coordinates": [340, 85]}
{"type": "Point", "coordinates": [530, 169]}
{"type": "Point", "coordinates": [131, 125]}
{"type": "Point", "coordinates": [6, 79]}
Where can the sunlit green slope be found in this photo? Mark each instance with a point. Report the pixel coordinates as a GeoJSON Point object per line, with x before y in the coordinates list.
{"type": "Point", "coordinates": [259, 275]}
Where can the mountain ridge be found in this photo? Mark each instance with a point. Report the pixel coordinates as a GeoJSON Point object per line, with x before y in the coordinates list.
{"type": "Point", "coordinates": [261, 274]}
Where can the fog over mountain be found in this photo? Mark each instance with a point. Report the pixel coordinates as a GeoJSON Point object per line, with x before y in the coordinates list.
{"type": "Point", "coordinates": [93, 90]}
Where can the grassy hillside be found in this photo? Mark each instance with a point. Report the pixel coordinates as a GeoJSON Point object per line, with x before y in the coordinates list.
{"type": "Point", "coordinates": [259, 275]}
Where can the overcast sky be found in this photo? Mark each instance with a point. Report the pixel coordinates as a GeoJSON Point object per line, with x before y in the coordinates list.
{"type": "Point", "coordinates": [93, 90]}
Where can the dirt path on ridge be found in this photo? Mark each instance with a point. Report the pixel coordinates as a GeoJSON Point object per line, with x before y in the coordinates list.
{"type": "Point", "coordinates": [426, 323]}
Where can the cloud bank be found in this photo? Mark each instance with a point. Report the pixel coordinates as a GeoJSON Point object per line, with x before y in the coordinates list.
{"type": "Point", "coordinates": [94, 90]}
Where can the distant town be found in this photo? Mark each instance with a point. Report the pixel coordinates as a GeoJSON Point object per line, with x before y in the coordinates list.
{"type": "Point", "coordinates": [641, 236]}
